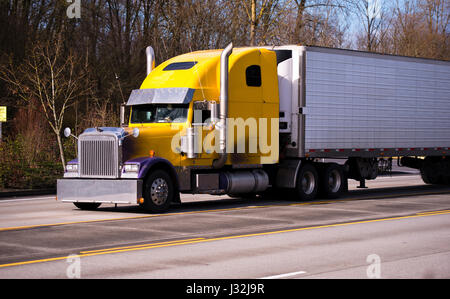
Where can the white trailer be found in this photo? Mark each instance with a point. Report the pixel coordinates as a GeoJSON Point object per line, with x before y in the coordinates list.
{"type": "Point", "coordinates": [363, 107]}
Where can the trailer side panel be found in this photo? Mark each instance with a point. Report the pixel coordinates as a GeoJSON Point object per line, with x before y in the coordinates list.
{"type": "Point", "coordinates": [364, 102]}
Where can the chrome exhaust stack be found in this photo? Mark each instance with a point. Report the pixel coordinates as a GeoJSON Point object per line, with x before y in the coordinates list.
{"type": "Point", "coordinates": [224, 59]}
{"type": "Point", "coordinates": [150, 53]}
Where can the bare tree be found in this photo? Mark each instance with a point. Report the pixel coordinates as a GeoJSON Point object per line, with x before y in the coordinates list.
{"type": "Point", "coordinates": [312, 13]}
{"type": "Point", "coordinates": [257, 13]}
{"type": "Point", "coordinates": [52, 78]}
{"type": "Point", "coordinates": [373, 18]}
{"type": "Point", "coordinates": [420, 28]}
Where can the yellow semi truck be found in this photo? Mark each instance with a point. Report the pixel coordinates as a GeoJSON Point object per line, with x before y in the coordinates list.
{"type": "Point", "coordinates": [243, 121]}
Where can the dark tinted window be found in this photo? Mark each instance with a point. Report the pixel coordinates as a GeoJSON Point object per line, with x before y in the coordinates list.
{"type": "Point", "coordinates": [253, 75]}
{"type": "Point", "coordinates": [180, 66]}
{"type": "Point", "coordinates": [206, 115]}
{"type": "Point", "coordinates": [201, 116]}
{"type": "Point", "coordinates": [283, 55]}
{"type": "Point", "coordinates": [159, 113]}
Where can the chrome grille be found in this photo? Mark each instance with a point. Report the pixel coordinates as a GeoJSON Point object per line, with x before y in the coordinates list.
{"type": "Point", "coordinates": [98, 156]}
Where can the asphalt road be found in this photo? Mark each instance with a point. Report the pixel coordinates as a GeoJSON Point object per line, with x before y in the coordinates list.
{"type": "Point", "coordinates": [397, 228]}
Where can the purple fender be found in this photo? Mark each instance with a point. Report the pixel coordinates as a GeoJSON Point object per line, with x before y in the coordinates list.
{"type": "Point", "coordinates": [147, 164]}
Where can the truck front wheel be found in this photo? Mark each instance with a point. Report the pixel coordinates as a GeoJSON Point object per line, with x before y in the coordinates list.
{"type": "Point", "coordinates": [158, 191]}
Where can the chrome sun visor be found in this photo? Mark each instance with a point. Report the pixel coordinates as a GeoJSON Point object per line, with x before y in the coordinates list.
{"type": "Point", "coordinates": [173, 95]}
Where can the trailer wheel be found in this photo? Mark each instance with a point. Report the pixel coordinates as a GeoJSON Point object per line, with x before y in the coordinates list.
{"type": "Point", "coordinates": [425, 178]}
{"type": "Point", "coordinates": [431, 171]}
{"type": "Point", "coordinates": [446, 173]}
{"type": "Point", "coordinates": [158, 192]}
{"type": "Point", "coordinates": [307, 182]}
{"type": "Point", "coordinates": [87, 205]}
{"type": "Point", "coordinates": [332, 180]}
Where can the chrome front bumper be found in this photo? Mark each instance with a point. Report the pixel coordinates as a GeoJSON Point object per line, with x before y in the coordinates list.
{"type": "Point", "coordinates": [100, 191]}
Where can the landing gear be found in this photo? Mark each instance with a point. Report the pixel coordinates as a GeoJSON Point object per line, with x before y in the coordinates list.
{"type": "Point", "coordinates": [362, 184]}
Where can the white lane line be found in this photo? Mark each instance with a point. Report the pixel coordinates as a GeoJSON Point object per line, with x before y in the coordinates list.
{"type": "Point", "coordinates": [284, 275]}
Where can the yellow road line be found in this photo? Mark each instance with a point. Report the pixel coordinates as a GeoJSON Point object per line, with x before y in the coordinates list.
{"type": "Point", "coordinates": [203, 240]}
{"type": "Point", "coordinates": [127, 218]}
{"type": "Point", "coordinates": [225, 209]}
{"type": "Point", "coordinates": [140, 245]}
{"type": "Point", "coordinates": [72, 222]}
{"type": "Point", "coordinates": [142, 248]}
{"type": "Point", "coordinates": [34, 261]}
{"type": "Point", "coordinates": [328, 226]}
{"type": "Point", "coordinates": [434, 212]}
{"type": "Point", "coordinates": [104, 252]}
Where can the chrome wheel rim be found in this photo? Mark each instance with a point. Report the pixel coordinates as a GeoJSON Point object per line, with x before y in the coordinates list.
{"type": "Point", "coordinates": [308, 183]}
{"type": "Point", "coordinates": [159, 191]}
{"type": "Point", "coordinates": [334, 181]}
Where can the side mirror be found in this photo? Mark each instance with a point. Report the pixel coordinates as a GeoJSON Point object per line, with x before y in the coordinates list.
{"type": "Point", "coordinates": [135, 132]}
{"type": "Point", "coordinates": [122, 115]}
{"type": "Point", "coordinates": [67, 132]}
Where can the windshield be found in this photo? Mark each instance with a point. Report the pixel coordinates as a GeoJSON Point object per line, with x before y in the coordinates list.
{"type": "Point", "coordinates": [159, 113]}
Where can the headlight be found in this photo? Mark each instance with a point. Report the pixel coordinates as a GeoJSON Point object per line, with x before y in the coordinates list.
{"type": "Point", "coordinates": [131, 168]}
{"type": "Point", "coordinates": [72, 168]}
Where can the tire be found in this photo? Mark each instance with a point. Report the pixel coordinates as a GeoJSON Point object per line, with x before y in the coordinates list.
{"type": "Point", "coordinates": [307, 183]}
{"type": "Point", "coordinates": [446, 179]}
{"type": "Point", "coordinates": [425, 178]}
{"type": "Point", "coordinates": [87, 205]}
{"type": "Point", "coordinates": [446, 168]}
{"type": "Point", "coordinates": [158, 192]}
{"type": "Point", "coordinates": [431, 171]}
{"type": "Point", "coordinates": [332, 181]}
